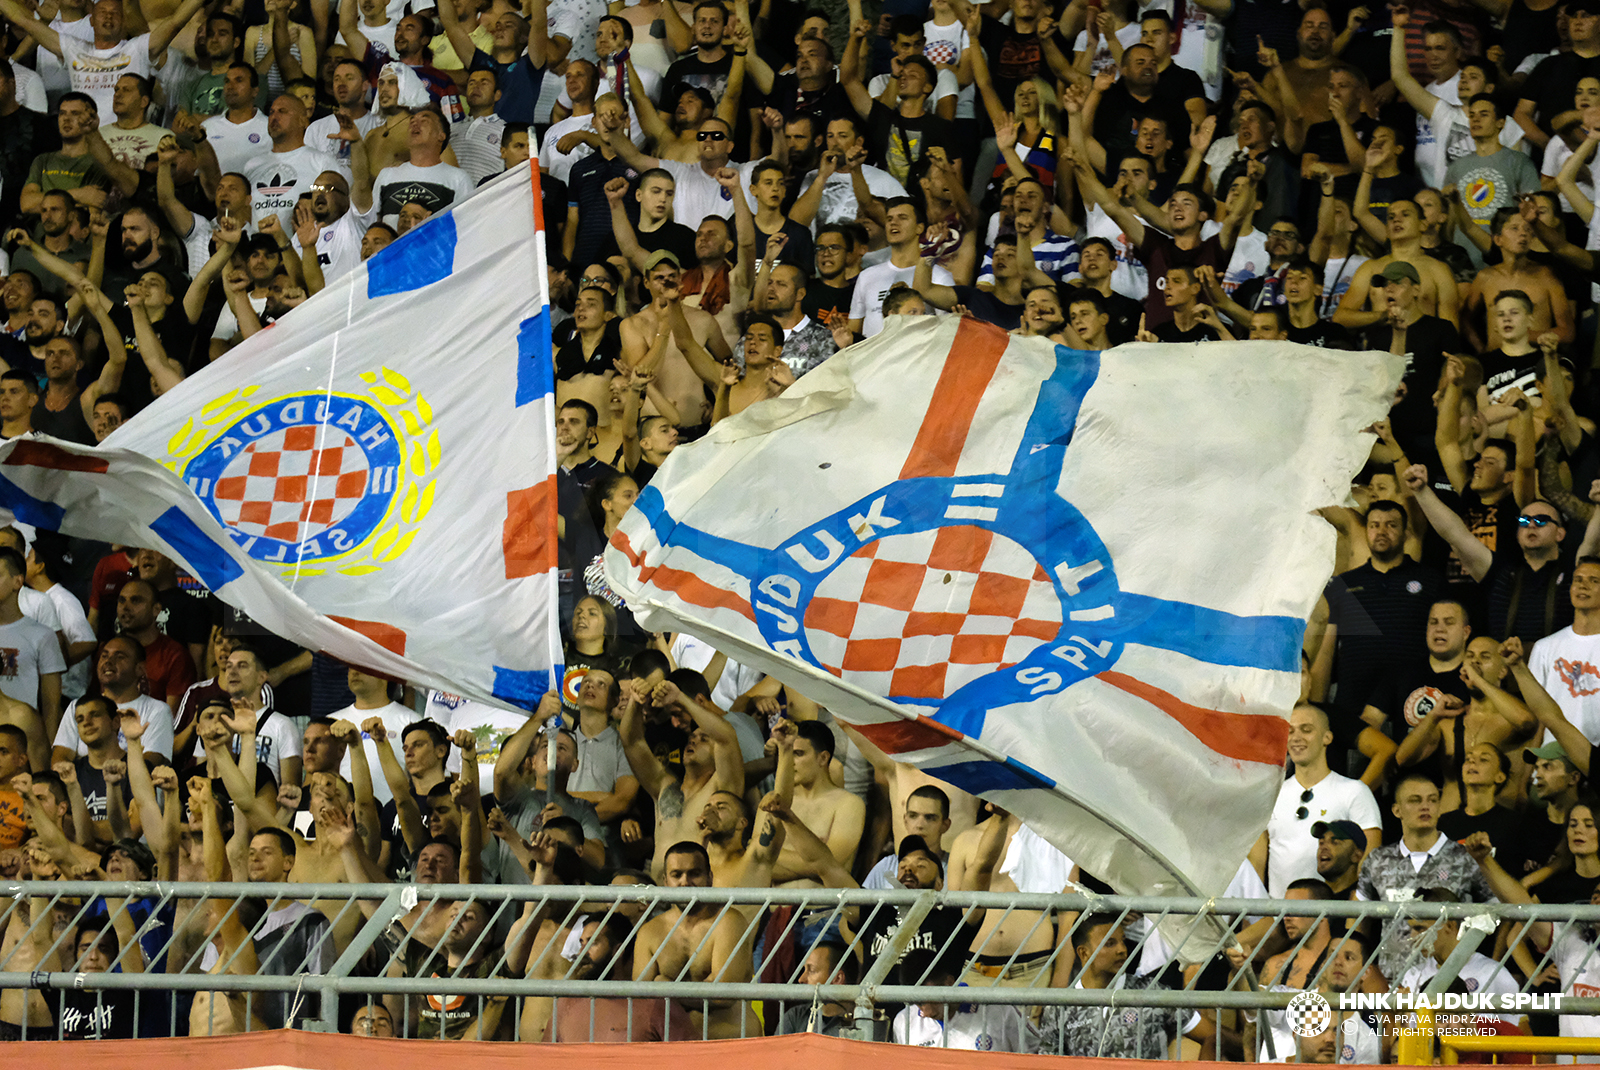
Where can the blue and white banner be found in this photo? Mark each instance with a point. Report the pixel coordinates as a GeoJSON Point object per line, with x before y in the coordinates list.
{"type": "Point", "coordinates": [372, 475]}
{"type": "Point", "coordinates": [1073, 583]}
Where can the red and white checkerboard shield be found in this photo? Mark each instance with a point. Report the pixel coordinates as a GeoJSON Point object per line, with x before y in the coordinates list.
{"type": "Point", "coordinates": [921, 615]}
{"type": "Point", "coordinates": [282, 486]}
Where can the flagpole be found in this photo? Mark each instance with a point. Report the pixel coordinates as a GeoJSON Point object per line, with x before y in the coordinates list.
{"type": "Point", "coordinates": [541, 270]}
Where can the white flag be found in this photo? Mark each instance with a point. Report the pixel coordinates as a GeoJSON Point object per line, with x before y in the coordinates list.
{"type": "Point", "coordinates": [372, 475]}
{"type": "Point", "coordinates": [1073, 583]}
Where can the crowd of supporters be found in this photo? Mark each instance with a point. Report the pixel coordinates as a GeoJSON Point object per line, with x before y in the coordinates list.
{"type": "Point", "coordinates": [732, 195]}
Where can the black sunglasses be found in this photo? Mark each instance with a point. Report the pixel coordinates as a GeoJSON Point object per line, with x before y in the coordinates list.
{"type": "Point", "coordinates": [1305, 797]}
{"type": "Point", "coordinates": [710, 135]}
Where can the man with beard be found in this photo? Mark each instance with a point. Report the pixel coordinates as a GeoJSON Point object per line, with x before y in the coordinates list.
{"type": "Point", "coordinates": [1555, 785]}
{"type": "Point", "coordinates": [601, 1020]}
{"type": "Point", "coordinates": [215, 51]}
{"type": "Point", "coordinates": [339, 228]}
{"type": "Point", "coordinates": [411, 37]}
{"type": "Point", "coordinates": [944, 927]}
{"type": "Point", "coordinates": [1341, 845]}
{"type": "Point", "coordinates": [743, 853]}
{"type": "Point", "coordinates": [1308, 938]}
{"type": "Point", "coordinates": [55, 212]}
{"type": "Point", "coordinates": [278, 177]}
{"type": "Point", "coordinates": [1491, 715]}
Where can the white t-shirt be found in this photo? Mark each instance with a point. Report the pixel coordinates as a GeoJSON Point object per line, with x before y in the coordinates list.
{"type": "Point", "coordinates": [228, 324]}
{"type": "Point", "coordinates": [477, 145]}
{"type": "Point", "coordinates": [320, 134]}
{"type": "Point", "coordinates": [691, 653]}
{"type": "Point", "coordinates": [278, 178]}
{"type": "Point", "coordinates": [1249, 260]}
{"type": "Point", "coordinates": [1578, 961]}
{"type": "Point", "coordinates": [839, 195]}
{"type": "Point", "coordinates": [697, 195]}
{"type": "Point", "coordinates": [491, 725]}
{"type": "Point", "coordinates": [395, 717]}
{"type": "Point", "coordinates": [1127, 37]}
{"type": "Point", "coordinates": [339, 244]}
{"type": "Point", "coordinates": [874, 284]}
{"type": "Point", "coordinates": [557, 163]}
{"type": "Point", "coordinates": [155, 715]}
{"type": "Point", "coordinates": [95, 70]}
{"type": "Point", "coordinates": [1556, 155]}
{"type": "Point", "coordinates": [236, 144]}
{"type": "Point", "coordinates": [28, 650]}
{"type": "Point", "coordinates": [1291, 849]}
{"type": "Point", "coordinates": [1567, 665]}
{"type": "Point", "coordinates": [1429, 144]}
{"type": "Point", "coordinates": [51, 71]}
{"type": "Point", "coordinates": [276, 740]}
{"type": "Point", "coordinates": [1480, 974]}
{"type": "Point", "coordinates": [36, 605]}
{"type": "Point", "coordinates": [981, 1027]}
{"type": "Point", "coordinates": [31, 93]}
{"type": "Point", "coordinates": [438, 188]}
{"type": "Point", "coordinates": [1129, 277]}
{"type": "Point", "coordinates": [75, 625]}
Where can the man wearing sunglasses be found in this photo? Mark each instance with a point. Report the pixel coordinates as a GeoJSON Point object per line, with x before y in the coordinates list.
{"type": "Point", "coordinates": [1286, 852]}
{"type": "Point", "coordinates": [1528, 587]}
{"type": "Point", "coordinates": [698, 193]}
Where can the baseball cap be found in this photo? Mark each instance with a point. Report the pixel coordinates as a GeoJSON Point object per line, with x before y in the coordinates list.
{"type": "Point", "coordinates": [1548, 752]}
{"type": "Point", "coordinates": [137, 852]}
{"type": "Point", "coordinates": [263, 243]}
{"type": "Point", "coordinates": [1398, 270]}
{"type": "Point", "coordinates": [1587, 7]}
{"type": "Point", "coordinates": [658, 257]}
{"type": "Point", "coordinates": [912, 844]}
{"type": "Point", "coordinates": [1341, 830]}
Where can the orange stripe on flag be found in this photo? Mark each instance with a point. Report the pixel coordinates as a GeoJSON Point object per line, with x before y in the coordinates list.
{"type": "Point", "coordinates": [527, 541]}
{"type": "Point", "coordinates": [1246, 737]}
{"type": "Point", "coordinates": [898, 737]}
{"type": "Point", "coordinates": [385, 635]}
{"type": "Point", "coordinates": [691, 588]}
{"type": "Point", "coordinates": [968, 367]}
{"type": "Point", "coordinates": [43, 455]}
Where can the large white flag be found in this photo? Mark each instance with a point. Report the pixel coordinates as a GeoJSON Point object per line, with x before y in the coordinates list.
{"type": "Point", "coordinates": [372, 475]}
{"type": "Point", "coordinates": [1072, 583]}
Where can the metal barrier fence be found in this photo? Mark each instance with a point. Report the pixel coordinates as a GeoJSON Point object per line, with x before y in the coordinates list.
{"type": "Point", "coordinates": [500, 957]}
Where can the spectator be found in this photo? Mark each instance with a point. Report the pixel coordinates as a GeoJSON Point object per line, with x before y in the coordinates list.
{"type": "Point", "coordinates": [1099, 953]}
{"type": "Point", "coordinates": [980, 1027]}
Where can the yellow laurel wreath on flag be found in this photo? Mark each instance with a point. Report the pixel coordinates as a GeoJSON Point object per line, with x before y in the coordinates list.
{"type": "Point", "coordinates": [410, 416]}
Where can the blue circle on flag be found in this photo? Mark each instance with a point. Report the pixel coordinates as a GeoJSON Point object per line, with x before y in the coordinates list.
{"type": "Point", "coordinates": [951, 596]}
{"type": "Point", "coordinates": [301, 478]}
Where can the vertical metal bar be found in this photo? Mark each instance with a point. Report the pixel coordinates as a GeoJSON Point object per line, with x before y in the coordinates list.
{"type": "Point", "coordinates": [382, 915]}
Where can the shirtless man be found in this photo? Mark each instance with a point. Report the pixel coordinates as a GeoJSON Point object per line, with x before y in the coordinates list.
{"type": "Point", "coordinates": [743, 853]}
{"type": "Point", "coordinates": [1364, 303]}
{"type": "Point", "coordinates": [684, 363]}
{"type": "Point", "coordinates": [674, 135]}
{"type": "Point", "coordinates": [220, 1013]}
{"type": "Point", "coordinates": [1027, 934]}
{"type": "Point", "coordinates": [1293, 965]}
{"type": "Point", "coordinates": [712, 762]}
{"type": "Point", "coordinates": [1493, 716]}
{"type": "Point", "coordinates": [27, 947]}
{"type": "Point", "coordinates": [700, 945]}
{"type": "Point", "coordinates": [900, 780]}
{"type": "Point", "coordinates": [835, 815]}
{"type": "Point", "coordinates": [1513, 234]}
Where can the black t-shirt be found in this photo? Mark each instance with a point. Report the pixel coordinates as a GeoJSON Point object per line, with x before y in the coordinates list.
{"type": "Point", "coordinates": [106, 1015]}
{"type": "Point", "coordinates": [984, 305]}
{"type": "Point", "coordinates": [1382, 619]}
{"type": "Point", "coordinates": [1494, 524]}
{"type": "Point", "coordinates": [1504, 826]}
{"type": "Point", "coordinates": [1116, 122]}
{"type": "Point", "coordinates": [184, 617]}
{"type": "Point", "coordinates": [1123, 314]}
{"type": "Point", "coordinates": [1179, 83]}
{"type": "Point", "coordinates": [1540, 838]}
{"type": "Point", "coordinates": [823, 105]}
{"type": "Point", "coordinates": [821, 297]}
{"type": "Point", "coordinates": [1200, 332]}
{"type": "Point", "coordinates": [1411, 692]}
{"type": "Point", "coordinates": [1502, 370]}
{"type": "Point", "coordinates": [1525, 603]}
{"type": "Point", "coordinates": [570, 359]}
{"type": "Point", "coordinates": [694, 72]}
{"type": "Point", "coordinates": [68, 423]}
{"type": "Point", "coordinates": [797, 250]}
{"type": "Point", "coordinates": [675, 238]}
{"type": "Point", "coordinates": [940, 932]}
{"type": "Point", "coordinates": [1323, 333]}
{"type": "Point", "coordinates": [1013, 57]}
{"type": "Point", "coordinates": [1427, 341]}
{"type": "Point", "coordinates": [587, 189]}
{"type": "Point", "coordinates": [1554, 81]}
{"type": "Point", "coordinates": [1566, 887]}
{"type": "Point", "coordinates": [898, 141]}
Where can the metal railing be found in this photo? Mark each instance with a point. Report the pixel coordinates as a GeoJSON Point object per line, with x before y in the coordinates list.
{"type": "Point", "coordinates": [388, 940]}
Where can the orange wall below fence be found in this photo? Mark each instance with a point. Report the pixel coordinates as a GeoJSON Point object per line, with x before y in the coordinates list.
{"type": "Point", "coordinates": [321, 1051]}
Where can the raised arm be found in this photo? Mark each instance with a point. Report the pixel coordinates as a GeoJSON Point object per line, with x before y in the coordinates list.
{"type": "Point", "coordinates": [459, 38]}
{"type": "Point", "coordinates": [228, 234]}
{"type": "Point", "coordinates": [23, 20]}
{"type": "Point", "coordinates": [1447, 432]}
{"type": "Point", "coordinates": [1544, 708]}
{"type": "Point", "coordinates": [162, 33]}
{"type": "Point", "coordinates": [850, 69]}
{"type": "Point", "coordinates": [653, 776]}
{"type": "Point", "coordinates": [508, 778]}
{"type": "Point", "coordinates": [355, 40]}
{"type": "Point", "coordinates": [1400, 69]}
{"type": "Point", "coordinates": [724, 740]}
{"type": "Point", "coordinates": [165, 372]}
{"type": "Point", "coordinates": [109, 380]}
{"type": "Point", "coordinates": [936, 294]}
{"type": "Point", "coordinates": [650, 120]}
{"type": "Point", "coordinates": [1474, 555]}
{"type": "Point", "coordinates": [412, 827]}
